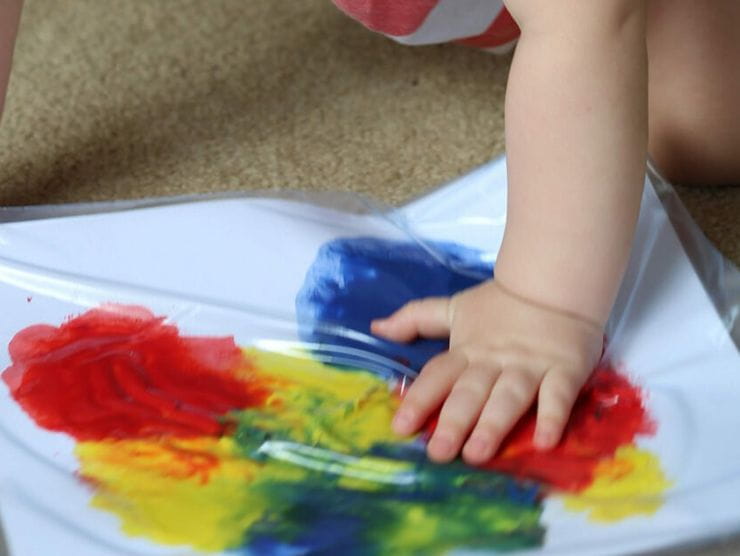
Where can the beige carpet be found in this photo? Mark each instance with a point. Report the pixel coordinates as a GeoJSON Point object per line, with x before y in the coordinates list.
{"type": "Point", "coordinates": [112, 100]}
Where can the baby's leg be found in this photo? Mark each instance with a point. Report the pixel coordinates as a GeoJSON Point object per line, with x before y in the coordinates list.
{"type": "Point", "coordinates": [694, 77]}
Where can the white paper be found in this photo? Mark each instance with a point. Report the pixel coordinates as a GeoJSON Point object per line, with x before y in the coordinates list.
{"type": "Point", "coordinates": [204, 264]}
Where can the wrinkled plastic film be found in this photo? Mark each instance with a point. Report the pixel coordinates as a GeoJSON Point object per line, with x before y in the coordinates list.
{"type": "Point", "coordinates": [720, 276]}
{"type": "Point", "coordinates": [440, 243]}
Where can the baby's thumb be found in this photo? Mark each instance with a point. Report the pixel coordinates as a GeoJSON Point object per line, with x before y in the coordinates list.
{"type": "Point", "coordinates": [424, 317]}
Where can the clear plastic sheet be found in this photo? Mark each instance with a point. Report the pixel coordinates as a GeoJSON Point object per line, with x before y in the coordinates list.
{"type": "Point", "coordinates": [295, 280]}
{"type": "Point", "coordinates": [720, 277]}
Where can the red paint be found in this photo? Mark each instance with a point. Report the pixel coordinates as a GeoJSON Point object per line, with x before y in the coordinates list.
{"type": "Point", "coordinates": [120, 372]}
{"type": "Point", "coordinates": [609, 413]}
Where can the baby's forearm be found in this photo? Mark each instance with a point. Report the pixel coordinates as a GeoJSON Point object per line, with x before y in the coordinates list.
{"type": "Point", "coordinates": [576, 136]}
{"type": "Point", "coordinates": [10, 11]}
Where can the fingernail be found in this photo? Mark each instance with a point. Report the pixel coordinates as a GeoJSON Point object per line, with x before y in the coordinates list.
{"type": "Point", "coordinates": [403, 422]}
{"type": "Point", "coordinates": [478, 446]}
{"type": "Point", "coordinates": [544, 440]}
{"type": "Point", "coordinates": [442, 447]}
{"type": "Point", "coordinates": [379, 325]}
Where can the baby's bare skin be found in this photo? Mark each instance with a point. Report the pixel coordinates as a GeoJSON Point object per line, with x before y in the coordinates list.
{"type": "Point", "coordinates": [577, 112]}
{"type": "Point", "coordinates": [695, 90]}
{"type": "Point", "coordinates": [577, 141]}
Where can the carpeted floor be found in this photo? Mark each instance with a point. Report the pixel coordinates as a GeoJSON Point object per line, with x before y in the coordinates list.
{"type": "Point", "coordinates": [112, 100]}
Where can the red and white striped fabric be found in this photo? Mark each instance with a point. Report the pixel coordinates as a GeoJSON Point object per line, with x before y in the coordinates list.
{"type": "Point", "coordinates": [481, 23]}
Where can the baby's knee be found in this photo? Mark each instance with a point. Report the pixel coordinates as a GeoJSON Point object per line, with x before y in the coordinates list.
{"type": "Point", "coordinates": [695, 124]}
{"type": "Point", "coordinates": [670, 148]}
{"type": "Point", "coordinates": [694, 150]}
{"type": "Point", "coordinates": [694, 89]}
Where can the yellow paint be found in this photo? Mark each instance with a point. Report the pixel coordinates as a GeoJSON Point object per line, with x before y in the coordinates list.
{"type": "Point", "coordinates": [632, 483]}
{"type": "Point", "coordinates": [164, 491]}
{"type": "Point", "coordinates": [317, 405]}
{"type": "Point", "coordinates": [203, 492]}
{"type": "Point", "coordinates": [428, 524]}
{"type": "Point", "coordinates": [206, 492]}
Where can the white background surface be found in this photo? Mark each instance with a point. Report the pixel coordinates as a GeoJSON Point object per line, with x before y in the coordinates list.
{"type": "Point", "coordinates": [214, 267]}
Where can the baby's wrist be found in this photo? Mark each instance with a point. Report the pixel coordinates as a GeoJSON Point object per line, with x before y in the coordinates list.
{"type": "Point", "coordinates": [560, 276]}
{"type": "Point", "coordinates": [586, 320]}
{"type": "Point", "coordinates": [552, 295]}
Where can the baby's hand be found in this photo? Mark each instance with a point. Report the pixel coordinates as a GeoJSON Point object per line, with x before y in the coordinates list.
{"type": "Point", "coordinates": [503, 349]}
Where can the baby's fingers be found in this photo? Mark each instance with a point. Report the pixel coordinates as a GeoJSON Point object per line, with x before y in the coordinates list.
{"type": "Point", "coordinates": [558, 393]}
{"type": "Point", "coordinates": [428, 391]}
{"type": "Point", "coordinates": [460, 412]}
{"type": "Point", "coordinates": [511, 397]}
{"type": "Point", "coordinates": [425, 317]}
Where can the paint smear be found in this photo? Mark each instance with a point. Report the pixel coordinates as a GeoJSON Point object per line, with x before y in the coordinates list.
{"type": "Point", "coordinates": [175, 491]}
{"type": "Point", "coordinates": [354, 280]}
{"type": "Point", "coordinates": [120, 372]}
{"type": "Point", "coordinates": [609, 413]}
{"type": "Point", "coordinates": [630, 484]}
{"type": "Point", "coordinates": [196, 442]}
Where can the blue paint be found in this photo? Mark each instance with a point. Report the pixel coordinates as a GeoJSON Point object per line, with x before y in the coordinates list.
{"type": "Point", "coordinates": [314, 530]}
{"type": "Point", "coordinates": [318, 516]}
{"type": "Point", "coordinates": [355, 280]}
{"type": "Point", "coordinates": [351, 282]}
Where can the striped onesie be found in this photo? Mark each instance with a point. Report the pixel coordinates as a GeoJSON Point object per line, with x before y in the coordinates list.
{"type": "Point", "coordinates": [480, 23]}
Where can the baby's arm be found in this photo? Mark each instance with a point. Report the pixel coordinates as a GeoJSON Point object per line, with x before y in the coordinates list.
{"type": "Point", "coordinates": [576, 138]}
{"type": "Point", "coordinates": [576, 131]}
{"type": "Point", "coordinates": [10, 11]}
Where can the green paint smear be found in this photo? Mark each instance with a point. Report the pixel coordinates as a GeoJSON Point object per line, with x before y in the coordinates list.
{"type": "Point", "coordinates": [383, 523]}
{"type": "Point", "coordinates": [372, 504]}
{"type": "Point", "coordinates": [335, 479]}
